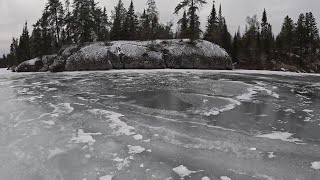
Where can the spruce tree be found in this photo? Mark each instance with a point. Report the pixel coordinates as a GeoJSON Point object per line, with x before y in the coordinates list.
{"type": "Point", "coordinates": [153, 14]}
{"type": "Point", "coordinates": [194, 23]}
{"type": "Point", "coordinates": [286, 37]}
{"type": "Point", "coordinates": [212, 26]}
{"type": "Point", "coordinates": [144, 26]}
{"type": "Point", "coordinates": [132, 22]}
{"type": "Point", "coordinates": [301, 34]}
{"type": "Point", "coordinates": [55, 12]}
{"type": "Point", "coordinates": [24, 50]}
{"type": "Point", "coordinates": [118, 20]}
{"type": "Point", "coordinates": [183, 24]}
{"type": "Point", "coordinates": [266, 33]}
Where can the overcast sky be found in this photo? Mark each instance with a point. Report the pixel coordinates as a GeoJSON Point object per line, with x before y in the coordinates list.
{"type": "Point", "coordinates": [13, 13]}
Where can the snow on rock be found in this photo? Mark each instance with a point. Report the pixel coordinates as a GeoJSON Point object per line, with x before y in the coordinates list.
{"type": "Point", "coordinates": [315, 165]}
{"type": "Point", "coordinates": [30, 65]}
{"type": "Point", "coordinates": [284, 136]}
{"type": "Point", "coordinates": [183, 171]}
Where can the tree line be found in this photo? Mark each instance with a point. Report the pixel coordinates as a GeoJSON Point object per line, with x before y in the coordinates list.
{"type": "Point", "coordinates": [80, 21]}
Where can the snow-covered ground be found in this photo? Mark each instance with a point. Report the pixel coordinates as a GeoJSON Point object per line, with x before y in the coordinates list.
{"type": "Point", "coordinates": [159, 124]}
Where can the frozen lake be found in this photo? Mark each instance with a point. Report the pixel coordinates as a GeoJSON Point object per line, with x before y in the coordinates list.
{"type": "Point", "coordinates": [159, 124]}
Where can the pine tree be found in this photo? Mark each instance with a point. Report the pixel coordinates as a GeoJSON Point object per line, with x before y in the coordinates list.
{"type": "Point", "coordinates": [266, 33]}
{"type": "Point", "coordinates": [118, 20]}
{"type": "Point", "coordinates": [144, 26]}
{"type": "Point", "coordinates": [301, 33]}
{"type": "Point", "coordinates": [312, 32]}
{"type": "Point", "coordinates": [183, 24]}
{"type": "Point", "coordinates": [24, 51]}
{"type": "Point", "coordinates": [83, 18]}
{"type": "Point", "coordinates": [212, 27]}
{"type": "Point", "coordinates": [286, 37]}
{"type": "Point", "coordinates": [55, 12]}
{"type": "Point", "coordinates": [194, 23]}
{"type": "Point", "coordinates": [236, 46]}
{"type": "Point", "coordinates": [226, 38]}
{"type": "Point", "coordinates": [12, 57]}
{"type": "Point", "coordinates": [153, 14]}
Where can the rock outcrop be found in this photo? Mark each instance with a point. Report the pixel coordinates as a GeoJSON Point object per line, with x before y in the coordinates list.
{"type": "Point", "coordinates": [159, 54]}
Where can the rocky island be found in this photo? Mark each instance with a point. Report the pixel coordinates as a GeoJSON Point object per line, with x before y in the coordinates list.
{"type": "Point", "coordinates": [158, 54]}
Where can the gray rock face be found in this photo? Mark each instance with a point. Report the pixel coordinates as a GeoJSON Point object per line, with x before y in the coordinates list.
{"type": "Point", "coordinates": [159, 54]}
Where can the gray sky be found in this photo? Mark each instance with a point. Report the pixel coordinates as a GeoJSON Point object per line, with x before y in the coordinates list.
{"type": "Point", "coordinates": [13, 13]}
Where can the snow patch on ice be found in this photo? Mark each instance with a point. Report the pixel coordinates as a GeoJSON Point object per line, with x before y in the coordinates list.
{"type": "Point", "coordinates": [55, 152]}
{"type": "Point", "coordinates": [271, 155]}
{"type": "Point", "coordinates": [284, 136]}
{"type": "Point", "coordinates": [120, 127]}
{"type": "Point", "coordinates": [138, 137]}
{"type": "Point", "coordinates": [183, 171]}
{"type": "Point", "coordinates": [136, 149]}
{"type": "Point", "coordinates": [225, 178]}
{"type": "Point", "coordinates": [82, 137]}
{"type": "Point", "coordinates": [62, 108]}
{"type": "Point", "coordinates": [107, 177]}
{"type": "Point", "coordinates": [205, 178]}
{"type": "Point", "coordinates": [315, 165]}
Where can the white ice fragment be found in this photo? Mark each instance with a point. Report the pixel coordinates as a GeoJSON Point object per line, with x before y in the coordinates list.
{"type": "Point", "coordinates": [88, 156]}
{"type": "Point", "coordinates": [308, 111]}
{"type": "Point", "coordinates": [136, 149]}
{"type": "Point", "coordinates": [82, 137]}
{"type": "Point", "coordinates": [107, 177]}
{"type": "Point", "coordinates": [315, 165]}
{"type": "Point", "coordinates": [50, 122]}
{"type": "Point", "coordinates": [183, 171]}
{"type": "Point", "coordinates": [62, 108]}
{"type": "Point", "coordinates": [290, 111]}
{"type": "Point", "coordinates": [55, 152]}
{"type": "Point", "coordinates": [271, 155]}
{"type": "Point", "coordinates": [205, 178]}
{"type": "Point", "coordinates": [284, 136]}
{"type": "Point", "coordinates": [225, 178]}
{"type": "Point", "coordinates": [118, 159]}
{"type": "Point", "coordinates": [253, 149]}
{"type": "Point", "coordinates": [138, 137]}
{"type": "Point", "coordinates": [142, 165]}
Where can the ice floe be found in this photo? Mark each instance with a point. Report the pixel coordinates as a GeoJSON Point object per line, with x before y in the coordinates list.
{"type": "Point", "coordinates": [284, 136]}
{"type": "Point", "coordinates": [183, 171]}
{"type": "Point", "coordinates": [205, 178]}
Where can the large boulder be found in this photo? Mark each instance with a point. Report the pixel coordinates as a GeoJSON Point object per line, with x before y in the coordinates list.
{"type": "Point", "coordinates": [158, 54]}
{"type": "Point", "coordinates": [33, 65]}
